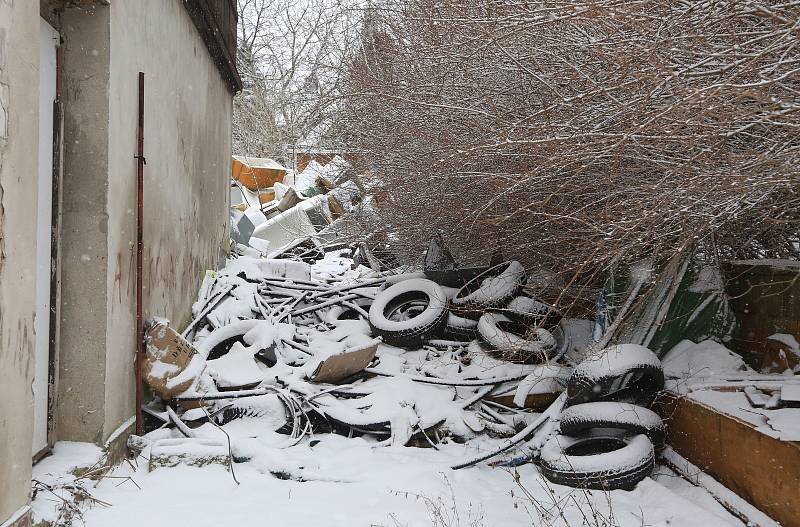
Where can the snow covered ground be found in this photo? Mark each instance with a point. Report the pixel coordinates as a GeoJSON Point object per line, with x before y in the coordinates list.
{"type": "Point", "coordinates": [353, 482]}
{"type": "Point", "coordinates": [335, 480]}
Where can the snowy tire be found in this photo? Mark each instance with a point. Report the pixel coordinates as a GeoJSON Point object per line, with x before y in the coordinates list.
{"type": "Point", "coordinates": [460, 328]}
{"type": "Point", "coordinates": [597, 462]}
{"type": "Point", "coordinates": [633, 419]}
{"type": "Point", "coordinates": [218, 342]}
{"type": "Point", "coordinates": [625, 373]}
{"type": "Point", "coordinates": [260, 406]}
{"type": "Point", "coordinates": [495, 287]}
{"type": "Point", "coordinates": [509, 339]}
{"type": "Point", "coordinates": [425, 296]}
{"type": "Point", "coordinates": [337, 313]}
{"type": "Point", "coordinates": [532, 312]}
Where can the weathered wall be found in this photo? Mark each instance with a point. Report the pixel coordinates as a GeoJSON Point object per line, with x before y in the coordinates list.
{"type": "Point", "coordinates": [19, 99]}
{"type": "Point", "coordinates": [84, 224]}
{"type": "Point", "coordinates": [187, 146]}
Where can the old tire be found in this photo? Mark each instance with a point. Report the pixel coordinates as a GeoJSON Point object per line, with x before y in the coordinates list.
{"type": "Point", "coordinates": [493, 288]}
{"type": "Point", "coordinates": [624, 373]}
{"type": "Point", "coordinates": [578, 419]}
{"type": "Point", "coordinates": [460, 328]}
{"type": "Point", "coordinates": [219, 341]}
{"type": "Point", "coordinates": [532, 312]}
{"type": "Point", "coordinates": [337, 313]}
{"type": "Point", "coordinates": [427, 299]}
{"type": "Point", "coordinates": [597, 462]}
{"type": "Point", "coordinates": [511, 341]}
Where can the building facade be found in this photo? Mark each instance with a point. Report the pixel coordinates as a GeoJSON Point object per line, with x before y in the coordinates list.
{"type": "Point", "coordinates": [68, 200]}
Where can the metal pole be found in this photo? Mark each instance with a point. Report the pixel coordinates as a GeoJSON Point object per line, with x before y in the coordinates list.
{"type": "Point", "coordinates": [140, 162]}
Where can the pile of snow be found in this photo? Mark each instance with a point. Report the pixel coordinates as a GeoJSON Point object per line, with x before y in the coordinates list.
{"type": "Point", "coordinates": [703, 360]}
{"type": "Point", "coordinates": [335, 481]}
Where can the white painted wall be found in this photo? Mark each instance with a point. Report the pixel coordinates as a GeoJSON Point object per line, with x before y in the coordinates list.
{"type": "Point", "coordinates": [19, 101]}
{"type": "Point", "coordinates": [188, 111]}
{"type": "Point", "coordinates": [187, 146]}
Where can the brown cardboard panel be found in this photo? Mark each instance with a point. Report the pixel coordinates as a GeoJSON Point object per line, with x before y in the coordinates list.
{"type": "Point", "coordinates": [761, 469]}
{"type": "Point", "coordinates": [341, 366]}
{"type": "Point", "coordinates": [167, 355]}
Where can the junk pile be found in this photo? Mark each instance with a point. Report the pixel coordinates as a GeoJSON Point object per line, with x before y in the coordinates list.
{"type": "Point", "coordinates": [275, 211]}
{"type": "Point", "coordinates": [282, 349]}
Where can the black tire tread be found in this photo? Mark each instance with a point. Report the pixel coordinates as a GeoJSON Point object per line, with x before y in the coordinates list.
{"type": "Point", "coordinates": [471, 308]}
{"type": "Point", "coordinates": [412, 337]}
{"type": "Point", "coordinates": [573, 427]}
{"type": "Point", "coordinates": [460, 333]}
{"type": "Point", "coordinates": [601, 480]}
{"type": "Point", "coordinates": [581, 387]}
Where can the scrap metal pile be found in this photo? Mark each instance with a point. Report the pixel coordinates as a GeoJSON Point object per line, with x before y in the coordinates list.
{"type": "Point", "coordinates": [280, 350]}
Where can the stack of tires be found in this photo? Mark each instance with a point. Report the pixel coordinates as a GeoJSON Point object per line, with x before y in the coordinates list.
{"type": "Point", "coordinates": [608, 437]}
{"type": "Point", "coordinates": [488, 307]}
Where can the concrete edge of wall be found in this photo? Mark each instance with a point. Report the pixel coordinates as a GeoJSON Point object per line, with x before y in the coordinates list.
{"type": "Point", "coordinates": [116, 444]}
{"type": "Point", "coordinates": [21, 518]}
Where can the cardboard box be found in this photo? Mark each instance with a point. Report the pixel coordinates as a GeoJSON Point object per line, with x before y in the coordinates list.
{"type": "Point", "coordinates": [167, 355]}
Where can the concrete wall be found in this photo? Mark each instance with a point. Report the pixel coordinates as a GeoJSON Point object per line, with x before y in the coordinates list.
{"type": "Point", "coordinates": [188, 128]}
{"type": "Point", "coordinates": [187, 146]}
{"type": "Point", "coordinates": [84, 225]}
{"type": "Point", "coordinates": [19, 99]}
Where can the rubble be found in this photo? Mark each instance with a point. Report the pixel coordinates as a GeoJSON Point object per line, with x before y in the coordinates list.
{"type": "Point", "coordinates": [282, 349]}
{"type": "Point", "coordinates": [306, 335]}
{"type": "Point", "coordinates": [302, 334]}
{"type": "Point", "coordinates": [301, 213]}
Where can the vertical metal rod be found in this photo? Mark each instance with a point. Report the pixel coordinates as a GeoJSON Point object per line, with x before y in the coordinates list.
{"type": "Point", "coordinates": [55, 230]}
{"type": "Point", "coordinates": [140, 162]}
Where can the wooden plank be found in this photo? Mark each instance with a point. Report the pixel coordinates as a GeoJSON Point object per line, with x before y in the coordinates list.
{"type": "Point", "coordinates": [765, 295]}
{"type": "Point", "coordinates": [761, 469]}
{"type": "Point", "coordinates": [339, 367]}
{"type": "Point", "coordinates": [534, 401]}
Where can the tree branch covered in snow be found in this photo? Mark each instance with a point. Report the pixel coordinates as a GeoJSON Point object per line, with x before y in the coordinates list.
{"type": "Point", "coordinates": [573, 134]}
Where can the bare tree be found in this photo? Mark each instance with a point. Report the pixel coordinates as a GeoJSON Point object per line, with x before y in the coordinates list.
{"type": "Point", "coordinates": [577, 134]}
{"type": "Point", "coordinates": [291, 56]}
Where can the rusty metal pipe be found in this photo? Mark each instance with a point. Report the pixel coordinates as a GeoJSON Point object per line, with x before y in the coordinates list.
{"type": "Point", "coordinates": [140, 162]}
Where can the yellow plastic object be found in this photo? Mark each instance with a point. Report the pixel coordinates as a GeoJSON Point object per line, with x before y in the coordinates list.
{"type": "Point", "coordinates": [256, 173]}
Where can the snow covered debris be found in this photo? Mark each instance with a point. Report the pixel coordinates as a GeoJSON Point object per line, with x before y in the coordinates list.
{"type": "Point", "coordinates": [706, 359]}
{"type": "Point", "coordinates": [379, 444]}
